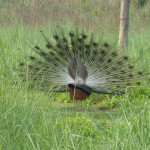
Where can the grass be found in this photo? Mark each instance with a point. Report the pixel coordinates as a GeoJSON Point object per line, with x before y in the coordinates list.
{"type": "Point", "coordinates": [30, 120]}
{"type": "Point", "coordinates": [91, 14]}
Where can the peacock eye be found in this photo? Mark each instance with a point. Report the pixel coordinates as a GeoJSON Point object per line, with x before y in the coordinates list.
{"type": "Point", "coordinates": [59, 46]}
{"type": "Point", "coordinates": [80, 40]}
{"type": "Point", "coordinates": [103, 52]}
{"type": "Point", "coordinates": [138, 83]}
{"type": "Point", "coordinates": [95, 44]}
{"type": "Point", "coordinates": [114, 54]}
{"type": "Point", "coordinates": [119, 62]}
{"type": "Point", "coordinates": [106, 44]}
{"type": "Point", "coordinates": [22, 64]}
{"type": "Point", "coordinates": [71, 34]}
{"type": "Point", "coordinates": [64, 39]}
{"type": "Point", "coordinates": [140, 73]}
{"type": "Point", "coordinates": [48, 45]}
{"type": "Point", "coordinates": [126, 58]}
{"type": "Point", "coordinates": [131, 67]}
{"type": "Point", "coordinates": [87, 46]}
{"type": "Point", "coordinates": [56, 37]}
{"type": "Point", "coordinates": [109, 60]}
{"type": "Point", "coordinates": [84, 36]}
{"type": "Point", "coordinates": [130, 75]}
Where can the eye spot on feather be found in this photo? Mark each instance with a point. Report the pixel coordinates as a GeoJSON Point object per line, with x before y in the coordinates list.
{"type": "Point", "coordinates": [87, 46]}
{"type": "Point", "coordinates": [22, 64]}
{"type": "Point", "coordinates": [95, 44]}
{"type": "Point", "coordinates": [138, 83]}
{"type": "Point", "coordinates": [32, 58]}
{"type": "Point", "coordinates": [39, 62]}
{"type": "Point", "coordinates": [59, 46]}
{"type": "Point", "coordinates": [106, 44]}
{"type": "Point", "coordinates": [122, 71]}
{"type": "Point", "coordinates": [95, 52]}
{"type": "Point", "coordinates": [43, 53]}
{"type": "Point", "coordinates": [65, 40]}
{"type": "Point", "coordinates": [131, 67]}
{"type": "Point", "coordinates": [109, 60]}
{"type": "Point", "coordinates": [84, 36]}
{"type": "Point", "coordinates": [37, 68]}
{"type": "Point", "coordinates": [56, 37]}
{"type": "Point", "coordinates": [80, 40]}
{"type": "Point", "coordinates": [30, 66]}
{"type": "Point", "coordinates": [119, 63]}
{"type": "Point", "coordinates": [114, 54]}
{"type": "Point", "coordinates": [48, 45]}
{"type": "Point", "coordinates": [125, 58]}
{"type": "Point", "coordinates": [51, 53]}
{"type": "Point", "coordinates": [71, 34]}
{"type": "Point", "coordinates": [37, 47]}
{"type": "Point", "coordinates": [130, 75]}
{"type": "Point", "coordinates": [103, 52]}
{"type": "Point", "coordinates": [140, 73]}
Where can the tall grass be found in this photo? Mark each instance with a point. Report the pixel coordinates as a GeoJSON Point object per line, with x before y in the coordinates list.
{"type": "Point", "coordinates": [98, 14]}
{"type": "Point", "coordinates": [29, 120]}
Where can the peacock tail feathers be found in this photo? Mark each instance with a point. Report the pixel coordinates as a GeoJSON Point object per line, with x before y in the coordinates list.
{"type": "Point", "coordinates": [77, 59]}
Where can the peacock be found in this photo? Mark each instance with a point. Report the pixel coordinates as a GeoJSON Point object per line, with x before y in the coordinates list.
{"type": "Point", "coordinates": [75, 62]}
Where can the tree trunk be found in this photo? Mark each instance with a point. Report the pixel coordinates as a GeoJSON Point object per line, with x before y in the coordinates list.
{"type": "Point", "coordinates": [124, 26]}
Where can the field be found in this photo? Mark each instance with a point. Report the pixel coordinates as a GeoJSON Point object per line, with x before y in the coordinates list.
{"type": "Point", "coordinates": [36, 120]}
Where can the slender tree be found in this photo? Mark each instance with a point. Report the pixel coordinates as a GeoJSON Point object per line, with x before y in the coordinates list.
{"type": "Point", "coordinates": [124, 25]}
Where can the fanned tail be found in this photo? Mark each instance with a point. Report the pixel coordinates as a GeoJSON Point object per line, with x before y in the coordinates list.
{"type": "Point", "coordinates": [78, 59]}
